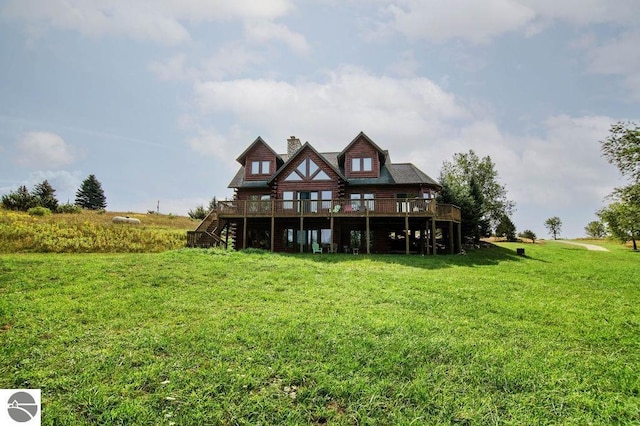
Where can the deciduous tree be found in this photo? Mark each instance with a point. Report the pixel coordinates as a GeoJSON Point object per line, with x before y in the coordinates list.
{"type": "Point", "coordinates": [622, 149]}
{"type": "Point", "coordinates": [527, 233]}
{"type": "Point", "coordinates": [595, 229]}
{"type": "Point", "coordinates": [623, 221]}
{"type": "Point", "coordinates": [554, 225]}
{"type": "Point", "coordinates": [472, 184]}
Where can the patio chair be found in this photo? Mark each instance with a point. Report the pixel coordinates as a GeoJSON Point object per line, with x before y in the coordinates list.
{"type": "Point", "coordinates": [316, 248]}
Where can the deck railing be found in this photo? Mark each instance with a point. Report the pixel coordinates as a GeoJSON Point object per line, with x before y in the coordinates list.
{"type": "Point", "coordinates": [370, 207]}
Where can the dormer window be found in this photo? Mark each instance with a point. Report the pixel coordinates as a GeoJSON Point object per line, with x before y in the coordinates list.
{"type": "Point", "coordinates": [260, 168]}
{"type": "Point", "coordinates": [361, 164]}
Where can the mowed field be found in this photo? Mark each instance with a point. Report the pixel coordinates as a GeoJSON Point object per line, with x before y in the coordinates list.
{"type": "Point", "coordinates": [193, 337]}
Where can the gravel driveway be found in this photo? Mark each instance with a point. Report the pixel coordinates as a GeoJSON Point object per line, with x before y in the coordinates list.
{"type": "Point", "coordinates": [592, 247]}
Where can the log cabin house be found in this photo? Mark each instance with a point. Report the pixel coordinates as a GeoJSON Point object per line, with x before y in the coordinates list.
{"type": "Point", "coordinates": [353, 201]}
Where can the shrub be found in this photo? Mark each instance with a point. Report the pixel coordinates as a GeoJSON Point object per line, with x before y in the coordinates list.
{"type": "Point", "coordinates": [39, 211]}
{"type": "Point", "coordinates": [198, 213]}
{"type": "Point", "coordinates": [528, 234]}
{"type": "Point", "coordinates": [68, 208]}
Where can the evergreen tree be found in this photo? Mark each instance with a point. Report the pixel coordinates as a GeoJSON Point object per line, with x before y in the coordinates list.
{"type": "Point", "coordinates": [44, 196]}
{"type": "Point", "coordinates": [506, 229]}
{"type": "Point", "coordinates": [90, 194]}
{"type": "Point", "coordinates": [213, 204]}
{"type": "Point", "coordinates": [20, 200]}
{"type": "Point", "coordinates": [198, 213]}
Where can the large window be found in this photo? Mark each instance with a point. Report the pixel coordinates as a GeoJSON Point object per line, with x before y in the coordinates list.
{"type": "Point", "coordinates": [360, 201]}
{"type": "Point", "coordinates": [358, 239]}
{"type": "Point", "coordinates": [361, 164]}
{"type": "Point", "coordinates": [259, 203]}
{"type": "Point", "coordinates": [368, 201]}
{"type": "Point", "coordinates": [326, 200]}
{"type": "Point", "coordinates": [287, 196]}
{"type": "Point", "coordinates": [287, 238]}
{"type": "Point", "coordinates": [355, 202]}
{"type": "Point", "coordinates": [307, 170]}
{"type": "Point", "coordinates": [404, 202]}
{"type": "Point", "coordinates": [260, 168]}
{"type": "Point", "coordinates": [309, 201]}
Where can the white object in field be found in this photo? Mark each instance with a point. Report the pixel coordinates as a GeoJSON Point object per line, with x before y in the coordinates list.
{"type": "Point", "coordinates": [125, 219]}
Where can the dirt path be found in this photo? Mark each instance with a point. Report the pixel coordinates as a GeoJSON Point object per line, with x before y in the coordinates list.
{"type": "Point", "coordinates": [592, 247]}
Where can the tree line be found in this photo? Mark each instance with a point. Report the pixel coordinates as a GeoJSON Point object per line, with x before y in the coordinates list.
{"type": "Point", "coordinates": [89, 195]}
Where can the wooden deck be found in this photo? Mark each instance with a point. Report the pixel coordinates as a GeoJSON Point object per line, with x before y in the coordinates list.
{"type": "Point", "coordinates": [339, 208]}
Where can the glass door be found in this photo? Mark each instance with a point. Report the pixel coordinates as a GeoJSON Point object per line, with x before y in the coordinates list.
{"type": "Point", "coordinates": [309, 201]}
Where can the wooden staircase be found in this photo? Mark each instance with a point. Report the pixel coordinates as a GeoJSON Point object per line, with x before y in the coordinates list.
{"type": "Point", "coordinates": [209, 232]}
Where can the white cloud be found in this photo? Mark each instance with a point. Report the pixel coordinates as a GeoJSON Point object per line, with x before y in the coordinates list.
{"type": "Point", "coordinates": [480, 21]}
{"type": "Point", "coordinates": [230, 59]}
{"type": "Point", "coordinates": [173, 68]}
{"type": "Point", "coordinates": [43, 149]}
{"type": "Point", "coordinates": [565, 166]}
{"type": "Point", "coordinates": [348, 101]}
{"type": "Point", "coordinates": [66, 183]}
{"type": "Point", "coordinates": [160, 21]}
{"type": "Point", "coordinates": [264, 32]}
{"type": "Point", "coordinates": [406, 65]}
{"type": "Point", "coordinates": [211, 143]}
{"type": "Point", "coordinates": [471, 20]}
{"type": "Point", "coordinates": [585, 12]}
{"type": "Point", "coordinates": [616, 56]}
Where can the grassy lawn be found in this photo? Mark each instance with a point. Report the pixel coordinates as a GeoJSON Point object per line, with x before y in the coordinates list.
{"type": "Point", "coordinates": [190, 337]}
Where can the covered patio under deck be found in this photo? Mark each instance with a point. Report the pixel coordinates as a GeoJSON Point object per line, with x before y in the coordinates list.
{"type": "Point", "coordinates": [344, 226]}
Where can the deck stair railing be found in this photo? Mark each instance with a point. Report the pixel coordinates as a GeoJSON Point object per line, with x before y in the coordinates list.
{"type": "Point", "coordinates": [208, 233]}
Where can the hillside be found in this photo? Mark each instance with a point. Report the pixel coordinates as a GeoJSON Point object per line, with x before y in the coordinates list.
{"type": "Point", "coordinates": [91, 231]}
{"type": "Point", "coordinates": [192, 337]}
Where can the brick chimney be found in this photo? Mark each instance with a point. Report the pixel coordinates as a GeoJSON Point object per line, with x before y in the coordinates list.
{"type": "Point", "coordinates": [293, 145]}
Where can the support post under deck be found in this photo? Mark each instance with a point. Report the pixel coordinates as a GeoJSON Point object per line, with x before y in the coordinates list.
{"type": "Point", "coordinates": [406, 233]}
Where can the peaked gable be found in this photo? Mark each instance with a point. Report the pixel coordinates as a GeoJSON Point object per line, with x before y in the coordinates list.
{"type": "Point", "coordinates": [259, 161]}
{"type": "Point", "coordinates": [259, 142]}
{"type": "Point", "coordinates": [382, 154]}
{"type": "Point", "coordinates": [306, 166]}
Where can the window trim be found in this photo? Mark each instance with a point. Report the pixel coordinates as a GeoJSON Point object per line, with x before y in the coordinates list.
{"type": "Point", "coordinates": [258, 167]}
{"type": "Point", "coordinates": [361, 164]}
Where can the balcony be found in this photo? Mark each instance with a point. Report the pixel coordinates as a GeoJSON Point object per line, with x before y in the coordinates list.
{"type": "Point", "coordinates": [415, 207]}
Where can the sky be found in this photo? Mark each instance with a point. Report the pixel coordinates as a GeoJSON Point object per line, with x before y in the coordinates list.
{"type": "Point", "coordinates": [157, 98]}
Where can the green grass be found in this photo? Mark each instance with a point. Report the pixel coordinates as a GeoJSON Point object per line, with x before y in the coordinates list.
{"type": "Point", "coordinates": [216, 337]}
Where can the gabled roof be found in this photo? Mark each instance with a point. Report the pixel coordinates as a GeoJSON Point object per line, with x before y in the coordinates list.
{"type": "Point", "coordinates": [397, 174]}
{"type": "Point", "coordinates": [239, 182]}
{"type": "Point", "coordinates": [390, 174]}
{"type": "Point", "coordinates": [241, 159]}
{"type": "Point", "coordinates": [407, 173]}
{"type": "Point", "coordinates": [297, 154]}
{"type": "Point", "coordinates": [383, 154]}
